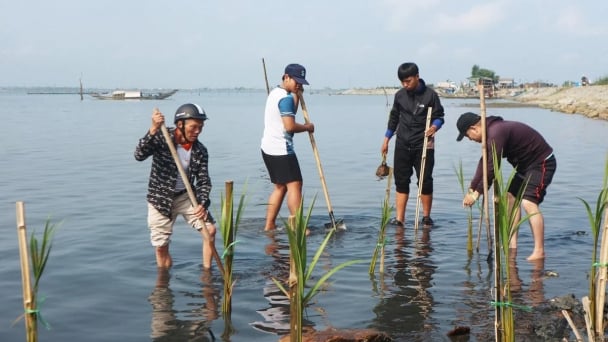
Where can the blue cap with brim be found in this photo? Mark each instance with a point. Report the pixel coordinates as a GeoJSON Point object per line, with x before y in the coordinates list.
{"type": "Point", "coordinates": [297, 72]}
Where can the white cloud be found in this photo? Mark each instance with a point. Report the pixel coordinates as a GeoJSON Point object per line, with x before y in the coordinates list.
{"type": "Point", "coordinates": [475, 18]}
{"type": "Point", "coordinates": [429, 49]}
{"type": "Point", "coordinates": [403, 14]}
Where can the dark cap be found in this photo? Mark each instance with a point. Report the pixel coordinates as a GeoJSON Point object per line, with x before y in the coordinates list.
{"type": "Point", "coordinates": [465, 121]}
{"type": "Point", "coordinates": [297, 72]}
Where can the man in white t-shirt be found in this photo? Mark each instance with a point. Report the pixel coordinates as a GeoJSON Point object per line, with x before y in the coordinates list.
{"type": "Point", "coordinates": [277, 143]}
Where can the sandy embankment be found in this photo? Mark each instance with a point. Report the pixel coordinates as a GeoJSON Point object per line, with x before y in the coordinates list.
{"type": "Point", "coordinates": [591, 101]}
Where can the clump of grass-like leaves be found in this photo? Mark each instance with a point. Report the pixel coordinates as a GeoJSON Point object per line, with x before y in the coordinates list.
{"type": "Point", "coordinates": [301, 272]}
{"type": "Point", "coordinates": [460, 176]}
{"type": "Point", "coordinates": [507, 220]}
{"type": "Point", "coordinates": [229, 226]}
{"type": "Point", "coordinates": [40, 251]}
{"type": "Point", "coordinates": [381, 242]}
{"type": "Point", "coordinates": [596, 291]}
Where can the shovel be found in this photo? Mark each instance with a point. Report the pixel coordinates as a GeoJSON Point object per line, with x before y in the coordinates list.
{"type": "Point", "coordinates": [337, 224]}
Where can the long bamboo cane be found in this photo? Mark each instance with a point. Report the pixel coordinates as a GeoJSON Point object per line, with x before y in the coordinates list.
{"type": "Point", "coordinates": [422, 166]}
{"type": "Point", "coordinates": [336, 224]}
{"type": "Point", "coordinates": [29, 305]}
{"type": "Point", "coordinates": [484, 157]}
{"type": "Point", "coordinates": [191, 194]}
{"type": "Point", "coordinates": [266, 77]}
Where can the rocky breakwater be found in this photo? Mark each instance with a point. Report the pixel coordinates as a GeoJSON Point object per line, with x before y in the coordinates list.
{"type": "Point", "coordinates": [591, 101]}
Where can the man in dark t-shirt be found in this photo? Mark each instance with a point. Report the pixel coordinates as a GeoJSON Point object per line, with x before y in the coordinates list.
{"type": "Point", "coordinates": [531, 156]}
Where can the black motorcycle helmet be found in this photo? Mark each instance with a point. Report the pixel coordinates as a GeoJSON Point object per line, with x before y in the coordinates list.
{"type": "Point", "coordinates": [189, 111]}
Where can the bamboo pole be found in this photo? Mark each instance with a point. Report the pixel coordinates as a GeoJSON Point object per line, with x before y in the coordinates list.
{"type": "Point", "coordinates": [422, 166]}
{"type": "Point", "coordinates": [336, 224]}
{"type": "Point", "coordinates": [579, 338]}
{"type": "Point", "coordinates": [498, 294]}
{"type": "Point", "coordinates": [600, 293]}
{"type": "Point", "coordinates": [228, 214]}
{"type": "Point", "coordinates": [266, 77]}
{"type": "Point", "coordinates": [29, 306]}
{"type": "Point", "coordinates": [484, 157]}
{"type": "Point", "coordinates": [191, 194]}
{"type": "Point", "coordinates": [587, 308]}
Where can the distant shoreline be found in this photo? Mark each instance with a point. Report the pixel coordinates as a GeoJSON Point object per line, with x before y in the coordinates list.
{"type": "Point", "coordinates": [590, 101]}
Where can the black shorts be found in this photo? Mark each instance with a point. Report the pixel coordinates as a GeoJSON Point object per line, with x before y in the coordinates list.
{"type": "Point", "coordinates": [282, 169]}
{"type": "Point", "coordinates": [538, 179]}
{"type": "Point", "coordinates": [408, 160]}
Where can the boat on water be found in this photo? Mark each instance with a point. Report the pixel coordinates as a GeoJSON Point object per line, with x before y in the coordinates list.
{"type": "Point", "coordinates": [133, 95]}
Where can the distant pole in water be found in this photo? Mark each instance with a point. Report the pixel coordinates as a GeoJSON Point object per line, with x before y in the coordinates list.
{"type": "Point", "coordinates": [266, 77]}
{"type": "Point", "coordinates": [81, 96]}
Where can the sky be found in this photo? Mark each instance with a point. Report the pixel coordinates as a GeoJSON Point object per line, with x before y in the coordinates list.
{"type": "Point", "coordinates": [342, 43]}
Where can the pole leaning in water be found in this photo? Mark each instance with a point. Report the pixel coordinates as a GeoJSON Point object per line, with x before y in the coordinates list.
{"type": "Point", "coordinates": [337, 224]}
{"type": "Point", "coordinates": [191, 195]}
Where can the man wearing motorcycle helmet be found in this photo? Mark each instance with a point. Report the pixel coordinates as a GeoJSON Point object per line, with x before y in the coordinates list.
{"type": "Point", "coordinates": [167, 196]}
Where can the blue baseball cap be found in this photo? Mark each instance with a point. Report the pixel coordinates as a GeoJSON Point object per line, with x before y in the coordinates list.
{"type": "Point", "coordinates": [297, 72]}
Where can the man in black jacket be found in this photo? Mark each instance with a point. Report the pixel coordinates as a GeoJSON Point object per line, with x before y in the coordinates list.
{"type": "Point", "coordinates": [531, 156]}
{"type": "Point", "coordinates": [407, 120]}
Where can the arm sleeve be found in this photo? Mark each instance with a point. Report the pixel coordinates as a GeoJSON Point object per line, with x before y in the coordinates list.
{"type": "Point", "coordinates": [437, 116]}
{"type": "Point", "coordinates": [203, 181]}
{"type": "Point", "coordinates": [287, 106]}
{"type": "Point", "coordinates": [146, 146]}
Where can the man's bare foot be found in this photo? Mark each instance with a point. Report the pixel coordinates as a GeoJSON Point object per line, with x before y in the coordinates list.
{"type": "Point", "coordinates": [536, 256]}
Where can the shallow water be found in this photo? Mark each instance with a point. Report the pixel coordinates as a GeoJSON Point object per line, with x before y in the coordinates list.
{"type": "Point", "coordinates": [72, 161]}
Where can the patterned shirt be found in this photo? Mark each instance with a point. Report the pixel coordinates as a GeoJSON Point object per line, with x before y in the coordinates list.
{"type": "Point", "coordinates": [164, 173]}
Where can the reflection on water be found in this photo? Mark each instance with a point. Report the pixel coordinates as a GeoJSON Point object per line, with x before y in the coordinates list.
{"type": "Point", "coordinates": [405, 307]}
{"type": "Point", "coordinates": [276, 315]}
{"type": "Point", "coordinates": [167, 325]}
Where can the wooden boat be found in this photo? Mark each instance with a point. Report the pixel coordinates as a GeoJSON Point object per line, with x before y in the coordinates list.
{"type": "Point", "coordinates": [133, 95]}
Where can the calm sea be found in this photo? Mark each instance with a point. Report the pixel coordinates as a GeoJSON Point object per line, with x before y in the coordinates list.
{"type": "Point", "coordinates": [72, 161]}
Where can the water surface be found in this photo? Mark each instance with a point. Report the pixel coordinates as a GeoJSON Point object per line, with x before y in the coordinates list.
{"type": "Point", "coordinates": [72, 161]}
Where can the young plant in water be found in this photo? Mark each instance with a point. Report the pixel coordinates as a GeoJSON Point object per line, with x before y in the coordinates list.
{"type": "Point", "coordinates": [596, 294]}
{"type": "Point", "coordinates": [300, 273]}
{"type": "Point", "coordinates": [380, 243]}
{"type": "Point", "coordinates": [460, 176]}
{"type": "Point", "coordinates": [39, 254]}
{"type": "Point", "coordinates": [229, 227]}
{"type": "Point", "coordinates": [507, 213]}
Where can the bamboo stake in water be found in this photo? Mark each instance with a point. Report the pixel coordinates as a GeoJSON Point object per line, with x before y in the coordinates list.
{"type": "Point", "coordinates": [484, 157]}
{"type": "Point", "coordinates": [29, 305]}
{"type": "Point", "coordinates": [266, 77]}
{"type": "Point", "coordinates": [422, 166]}
{"type": "Point", "coordinates": [228, 216]}
{"type": "Point", "coordinates": [601, 281]}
